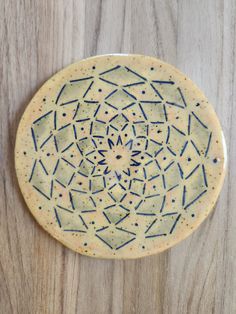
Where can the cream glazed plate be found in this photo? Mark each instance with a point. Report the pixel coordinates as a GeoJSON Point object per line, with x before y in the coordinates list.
{"type": "Point", "coordinates": [120, 156]}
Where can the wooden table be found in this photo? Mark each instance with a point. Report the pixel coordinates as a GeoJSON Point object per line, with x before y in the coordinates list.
{"type": "Point", "coordinates": [37, 274]}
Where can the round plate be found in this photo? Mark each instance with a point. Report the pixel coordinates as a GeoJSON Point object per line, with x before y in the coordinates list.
{"type": "Point", "coordinates": [120, 156]}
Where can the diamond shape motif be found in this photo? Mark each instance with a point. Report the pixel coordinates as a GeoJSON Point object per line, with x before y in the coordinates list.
{"type": "Point", "coordinates": [120, 147]}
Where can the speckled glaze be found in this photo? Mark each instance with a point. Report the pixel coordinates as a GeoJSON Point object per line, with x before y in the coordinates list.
{"type": "Point", "coordinates": [120, 156]}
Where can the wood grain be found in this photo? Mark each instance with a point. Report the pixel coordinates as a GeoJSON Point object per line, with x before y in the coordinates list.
{"type": "Point", "coordinates": [39, 275]}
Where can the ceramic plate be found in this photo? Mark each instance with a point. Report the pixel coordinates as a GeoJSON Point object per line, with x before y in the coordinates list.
{"type": "Point", "coordinates": [120, 156]}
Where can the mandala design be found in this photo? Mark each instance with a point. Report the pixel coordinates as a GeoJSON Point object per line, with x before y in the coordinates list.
{"type": "Point", "coordinates": [125, 148]}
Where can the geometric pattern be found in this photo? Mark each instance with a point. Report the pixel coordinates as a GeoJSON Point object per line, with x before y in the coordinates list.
{"type": "Point", "coordinates": [123, 156]}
